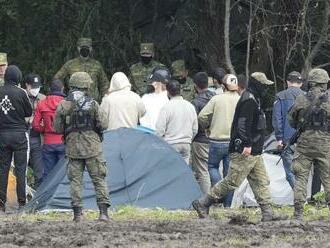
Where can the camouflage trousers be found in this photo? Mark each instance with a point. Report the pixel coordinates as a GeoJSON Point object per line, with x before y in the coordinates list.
{"type": "Point", "coordinates": [241, 167]}
{"type": "Point", "coordinates": [97, 170]}
{"type": "Point", "coordinates": [303, 159]}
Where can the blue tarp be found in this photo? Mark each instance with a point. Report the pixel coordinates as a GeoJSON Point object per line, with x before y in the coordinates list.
{"type": "Point", "coordinates": [143, 170]}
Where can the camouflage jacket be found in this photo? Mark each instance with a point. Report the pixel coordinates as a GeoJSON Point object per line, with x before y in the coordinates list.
{"type": "Point", "coordinates": [187, 90]}
{"type": "Point", "coordinates": [81, 144]}
{"type": "Point", "coordinates": [94, 68]}
{"type": "Point", "coordinates": [310, 139]}
{"type": "Point", "coordinates": [139, 73]}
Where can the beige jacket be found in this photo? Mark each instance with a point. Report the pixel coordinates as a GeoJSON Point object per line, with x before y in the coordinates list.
{"type": "Point", "coordinates": [123, 107]}
{"type": "Point", "coordinates": [218, 115]}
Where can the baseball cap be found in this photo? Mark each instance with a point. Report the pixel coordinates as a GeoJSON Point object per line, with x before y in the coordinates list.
{"type": "Point", "coordinates": [147, 49]}
{"type": "Point", "coordinates": [295, 76]}
{"type": "Point", "coordinates": [34, 80]}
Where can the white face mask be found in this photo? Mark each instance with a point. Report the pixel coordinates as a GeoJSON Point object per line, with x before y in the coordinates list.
{"type": "Point", "coordinates": [34, 92]}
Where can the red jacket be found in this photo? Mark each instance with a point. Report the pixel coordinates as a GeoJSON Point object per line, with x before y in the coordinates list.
{"type": "Point", "coordinates": [43, 119]}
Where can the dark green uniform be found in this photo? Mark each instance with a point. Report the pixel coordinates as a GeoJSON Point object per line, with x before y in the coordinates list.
{"type": "Point", "coordinates": [80, 119]}
{"type": "Point", "coordinates": [180, 73]}
{"type": "Point", "coordinates": [140, 71]}
{"type": "Point", "coordinates": [312, 111]}
{"type": "Point", "coordinates": [100, 84]}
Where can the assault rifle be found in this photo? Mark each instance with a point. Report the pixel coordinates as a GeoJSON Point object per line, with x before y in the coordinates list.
{"type": "Point", "coordinates": [293, 140]}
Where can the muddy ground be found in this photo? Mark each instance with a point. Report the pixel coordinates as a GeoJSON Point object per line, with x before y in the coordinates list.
{"type": "Point", "coordinates": [155, 233]}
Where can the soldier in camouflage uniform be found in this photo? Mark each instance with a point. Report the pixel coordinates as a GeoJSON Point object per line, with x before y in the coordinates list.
{"type": "Point", "coordinates": [3, 67]}
{"type": "Point", "coordinates": [86, 63]}
{"type": "Point", "coordinates": [180, 73]}
{"type": "Point", "coordinates": [311, 112]}
{"type": "Point", "coordinates": [245, 148]}
{"type": "Point", "coordinates": [81, 121]}
{"type": "Point", "coordinates": [140, 71]}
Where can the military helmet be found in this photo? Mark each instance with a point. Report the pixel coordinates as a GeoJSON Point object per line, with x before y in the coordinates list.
{"type": "Point", "coordinates": [3, 59]}
{"type": "Point", "coordinates": [160, 74]}
{"type": "Point", "coordinates": [84, 42]}
{"type": "Point", "coordinates": [147, 49]}
{"type": "Point", "coordinates": [319, 76]}
{"type": "Point", "coordinates": [80, 80]}
{"type": "Point", "coordinates": [178, 68]}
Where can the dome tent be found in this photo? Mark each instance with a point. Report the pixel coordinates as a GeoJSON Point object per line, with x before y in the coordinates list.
{"type": "Point", "coordinates": [143, 170]}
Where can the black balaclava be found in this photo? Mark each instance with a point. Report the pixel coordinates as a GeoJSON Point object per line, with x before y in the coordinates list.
{"type": "Point", "coordinates": [13, 75]}
{"type": "Point", "coordinates": [146, 60]}
{"type": "Point", "coordinates": [258, 89]}
{"type": "Point", "coordinates": [181, 80]}
{"type": "Point", "coordinates": [85, 52]}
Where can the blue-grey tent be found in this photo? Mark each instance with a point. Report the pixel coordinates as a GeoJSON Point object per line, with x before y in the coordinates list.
{"type": "Point", "coordinates": [143, 170]}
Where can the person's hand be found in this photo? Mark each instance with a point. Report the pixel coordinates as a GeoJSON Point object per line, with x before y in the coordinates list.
{"type": "Point", "coordinates": [280, 144]}
{"type": "Point", "coordinates": [247, 151]}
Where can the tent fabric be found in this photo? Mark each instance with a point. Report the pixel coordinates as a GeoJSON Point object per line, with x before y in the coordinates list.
{"type": "Point", "coordinates": [280, 190]}
{"type": "Point", "coordinates": [143, 170]}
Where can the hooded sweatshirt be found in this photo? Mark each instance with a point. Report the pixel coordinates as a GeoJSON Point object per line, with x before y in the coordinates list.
{"type": "Point", "coordinates": [123, 107]}
{"type": "Point", "coordinates": [44, 116]}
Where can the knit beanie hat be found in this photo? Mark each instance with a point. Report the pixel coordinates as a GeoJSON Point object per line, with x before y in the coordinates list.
{"type": "Point", "coordinates": [13, 75]}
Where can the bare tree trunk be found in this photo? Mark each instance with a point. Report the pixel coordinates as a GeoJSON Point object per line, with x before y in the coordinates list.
{"type": "Point", "coordinates": [227, 38]}
{"type": "Point", "coordinates": [323, 38]}
{"type": "Point", "coordinates": [247, 72]}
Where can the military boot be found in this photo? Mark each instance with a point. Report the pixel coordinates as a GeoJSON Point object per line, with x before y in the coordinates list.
{"type": "Point", "coordinates": [298, 211]}
{"type": "Point", "coordinates": [77, 213]}
{"type": "Point", "coordinates": [269, 215]}
{"type": "Point", "coordinates": [103, 213]}
{"type": "Point", "coordinates": [202, 205]}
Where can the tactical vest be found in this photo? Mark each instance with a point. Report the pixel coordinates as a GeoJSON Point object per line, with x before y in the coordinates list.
{"type": "Point", "coordinates": [80, 118]}
{"type": "Point", "coordinates": [318, 118]}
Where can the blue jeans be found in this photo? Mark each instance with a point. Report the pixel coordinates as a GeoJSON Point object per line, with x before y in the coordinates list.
{"type": "Point", "coordinates": [219, 151]}
{"type": "Point", "coordinates": [51, 154]}
{"type": "Point", "coordinates": [287, 164]}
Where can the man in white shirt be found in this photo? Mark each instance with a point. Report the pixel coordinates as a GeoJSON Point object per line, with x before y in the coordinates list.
{"type": "Point", "coordinates": [154, 101]}
{"type": "Point", "coordinates": [177, 122]}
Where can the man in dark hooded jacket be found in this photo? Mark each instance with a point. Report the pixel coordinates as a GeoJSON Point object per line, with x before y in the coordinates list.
{"type": "Point", "coordinates": [245, 148]}
{"type": "Point", "coordinates": [15, 106]}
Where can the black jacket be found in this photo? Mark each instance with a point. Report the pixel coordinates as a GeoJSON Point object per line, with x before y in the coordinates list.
{"type": "Point", "coordinates": [248, 125]}
{"type": "Point", "coordinates": [14, 107]}
{"type": "Point", "coordinates": [199, 103]}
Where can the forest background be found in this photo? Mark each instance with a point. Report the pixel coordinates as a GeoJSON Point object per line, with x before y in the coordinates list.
{"type": "Point", "coordinates": [243, 36]}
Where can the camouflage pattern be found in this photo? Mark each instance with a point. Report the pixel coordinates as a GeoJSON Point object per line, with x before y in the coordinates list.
{"type": "Point", "coordinates": [84, 42]}
{"type": "Point", "coordinates": [242, 167]}
{"type": "Point", "coordinates": [139, 72]}
{"type": "Point", "coordinates": [97, 169]}
{"type": "Point", "coordinates": [147, 49]}
{"type": "Point", "coordinates": [179, 72]}
{"type": "Point", "coordinates": [80, 80]}
{"type": "Point", "coordinates": [100, 84]}
{"type": "Point", "coordinates": [3, 59]}
{"type": "Point", "coordinates": [83, 149]}
{"type": "Point", "coordinates": [187, 90]}
{"type": "Point", "coordinates": [313, 145]}
{"type": "Point", "coordinates": [178, 68]}
{"type": "Point", "coordinates": [262, 78]}
{"type": "Point", "coordinates": [319, 76]}
{"type": "Point", "coordinates": [80, 145]}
